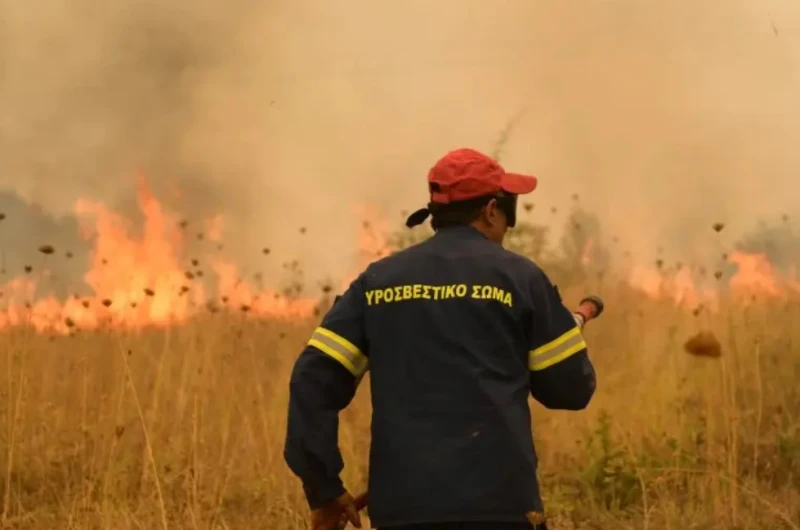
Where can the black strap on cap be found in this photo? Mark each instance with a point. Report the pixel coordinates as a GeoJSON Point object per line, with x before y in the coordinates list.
{"type": "Point", "coordinates": [506, 202]}
{"type": "Point", "coordinates": [418, 217]}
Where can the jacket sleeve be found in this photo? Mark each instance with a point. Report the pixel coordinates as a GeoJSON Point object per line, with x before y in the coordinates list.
{"type": "Point", "coordinates": [323, 382]}
{"type": "Point", "coordinates": [561, 374]}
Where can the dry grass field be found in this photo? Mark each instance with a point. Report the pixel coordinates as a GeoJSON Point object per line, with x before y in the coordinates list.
{"type": "Point", "coordinates": [183, 426]}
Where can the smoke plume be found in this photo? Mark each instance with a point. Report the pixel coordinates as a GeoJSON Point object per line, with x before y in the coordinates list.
{"type": "Point", "coordinates": [663, 116]}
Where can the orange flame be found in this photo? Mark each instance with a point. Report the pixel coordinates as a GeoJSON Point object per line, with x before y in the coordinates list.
{"type": "Point", "coordinates": [142, 280]}
{"type": "Point", "coordinates": [679, 287]}
{"type": "Point", "coordinates": [138, 281]}
{"type": "Point", "coordinates": [754, 276]}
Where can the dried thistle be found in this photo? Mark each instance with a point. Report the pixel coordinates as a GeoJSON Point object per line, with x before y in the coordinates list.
{"type": "Point", "coordinates": [69, 322]}
{"type": "Point", "coordinates": [718, 227]}
{"type": "Point", "coordinates": [2, 216]}
{"type": "Point", "coordinates": [47, 249]}
{"type": "Point", "coordinates": [718, 274]}
{"type": "Point", "coordinates": [189, 275]}
{"type": "Point", "coordinates": [28, 269]}
{"type": "Point", "coordinates": [149, 292]}
{"type": "Point", "coordinates": [106, 302]}
{"type": "Point", "coordinates": [266, 251]}
{"type": "Point", "coordinates": [703, 344]}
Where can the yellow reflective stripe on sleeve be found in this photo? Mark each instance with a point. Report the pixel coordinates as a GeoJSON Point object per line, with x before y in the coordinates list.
{"type": "Point", "coordinates": [340, 349]}
{"type": "Point", "coordinates": [556, 350]}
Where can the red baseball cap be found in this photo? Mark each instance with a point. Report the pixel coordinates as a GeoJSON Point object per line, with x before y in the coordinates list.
{"type": "Point", "coordinates": [466, 174]}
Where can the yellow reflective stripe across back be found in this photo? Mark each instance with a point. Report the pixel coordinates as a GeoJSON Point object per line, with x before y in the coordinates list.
{"type": "Point", "coordinates": [340, 349]}
{"type": "Point", "coordinates": [556, 350]}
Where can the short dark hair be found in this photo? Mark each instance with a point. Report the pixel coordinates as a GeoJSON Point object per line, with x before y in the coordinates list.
{"type": "Point", "coordinates": [465, 212]}
{"type": "Point", "coordinates": [457, 213]}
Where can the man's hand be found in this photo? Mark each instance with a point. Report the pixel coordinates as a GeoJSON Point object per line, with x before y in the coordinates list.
{"type": "Point", "coordinates": [336, 514]}
{"type": "Point", "coordinates": [590, 308]}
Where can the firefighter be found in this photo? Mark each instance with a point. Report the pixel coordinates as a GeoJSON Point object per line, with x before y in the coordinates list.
{"type": "Point", "coordinates": [456, 333]}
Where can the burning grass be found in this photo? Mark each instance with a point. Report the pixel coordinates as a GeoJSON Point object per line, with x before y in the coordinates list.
{"type": "Point", "coordinates": [157, 402]}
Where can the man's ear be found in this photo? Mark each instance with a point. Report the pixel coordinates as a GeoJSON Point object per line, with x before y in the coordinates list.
{"type": "Point", "coordinates": [491, 212]}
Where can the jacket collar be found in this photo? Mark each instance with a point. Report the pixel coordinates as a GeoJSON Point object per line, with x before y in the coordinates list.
{"type": "Point", "coordinates": [460, 232]}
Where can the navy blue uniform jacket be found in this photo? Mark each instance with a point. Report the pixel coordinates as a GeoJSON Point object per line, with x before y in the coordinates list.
{"type": "Point", "coordinates": [456, 333]}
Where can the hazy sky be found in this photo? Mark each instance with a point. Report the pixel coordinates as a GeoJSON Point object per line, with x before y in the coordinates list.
{"type": "Point", "coordinates": [663, 116]}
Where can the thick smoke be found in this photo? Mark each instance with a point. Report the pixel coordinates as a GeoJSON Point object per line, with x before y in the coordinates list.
{"type": "Point", "coordinates": [663, 116]}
